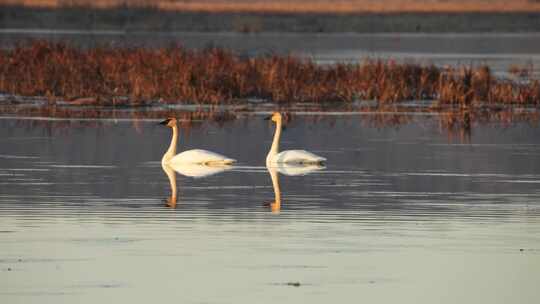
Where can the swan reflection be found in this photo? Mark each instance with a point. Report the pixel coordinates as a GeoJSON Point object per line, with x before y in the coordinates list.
{"type": "Point", "coordinates": [189, 170]}
{"type": "Point", "coordinates": [290, 170]}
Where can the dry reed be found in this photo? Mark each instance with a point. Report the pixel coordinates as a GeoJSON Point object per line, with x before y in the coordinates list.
{"type": "Point", "coordinates": [135, 76]}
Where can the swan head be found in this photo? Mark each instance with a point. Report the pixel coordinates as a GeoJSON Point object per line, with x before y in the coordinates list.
{"type": "Point", "coordinates": [275, 117]}
{"type": "Point", "coordinates": [169, 122]}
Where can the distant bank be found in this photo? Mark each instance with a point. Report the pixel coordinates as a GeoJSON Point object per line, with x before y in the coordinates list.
{"type": "Point", "coordinates": [155, 19]}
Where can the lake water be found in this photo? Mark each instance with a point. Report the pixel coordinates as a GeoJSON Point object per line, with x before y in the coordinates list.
{"type": "Point", "coordinates": [401, 213]}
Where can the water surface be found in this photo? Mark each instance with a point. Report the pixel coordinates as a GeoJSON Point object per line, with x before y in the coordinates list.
{"type": "Point", "coordinates": [401, 213]}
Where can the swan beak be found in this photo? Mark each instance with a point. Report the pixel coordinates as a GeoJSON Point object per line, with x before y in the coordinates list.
{"type": "Point", "coordinates": [268, 117]}
{"type": "Point", "coordinates": [166, 121]}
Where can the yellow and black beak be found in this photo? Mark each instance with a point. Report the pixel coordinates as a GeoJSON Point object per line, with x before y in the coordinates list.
{"type": "Point", "coordinates": [165, 122]}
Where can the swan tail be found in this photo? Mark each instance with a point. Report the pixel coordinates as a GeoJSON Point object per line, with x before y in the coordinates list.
{"type": "Point", "coordinates": [229, 161]}
{"type": "Point", "coordinates": [321, 160]}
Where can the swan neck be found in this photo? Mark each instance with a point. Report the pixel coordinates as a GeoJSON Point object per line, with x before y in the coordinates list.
{"type": "Point", "coordinates": [172, 147]}
{"type": "Point", "coordinates": [275, 143]}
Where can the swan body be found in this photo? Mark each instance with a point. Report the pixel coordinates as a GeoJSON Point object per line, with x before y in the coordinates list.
{"type": "Point", "coordinates": [199, 157]}
{"type": "Point", "coordinates": [296, 157]}
{"type": "Point", "coordinates": [196, 156]}
{"type": "Point", "coordinates": [288, 156]}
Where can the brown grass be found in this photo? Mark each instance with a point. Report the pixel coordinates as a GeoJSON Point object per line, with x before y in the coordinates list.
{"type": "Point", "coordinates": [138, 76]}
{"type": "Point", "coordinates": [299, 6]}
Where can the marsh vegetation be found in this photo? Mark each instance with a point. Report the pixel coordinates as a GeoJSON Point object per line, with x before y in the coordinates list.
{"type": "Point", "coordinates": [138, 76]}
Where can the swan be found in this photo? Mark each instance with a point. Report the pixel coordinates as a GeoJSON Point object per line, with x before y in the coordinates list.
{"type": "Point", "coordinates": [195, 156]}
{"type": "Point", "coordinates": [289, 156]}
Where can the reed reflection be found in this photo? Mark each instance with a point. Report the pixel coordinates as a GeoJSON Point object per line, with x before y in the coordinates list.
{"type": "Point", "coordinates": [289, 170]}
{"type": "Point", "coordinates": [188, 170]}
{"type": "Point", "coordinates": [458, 123]}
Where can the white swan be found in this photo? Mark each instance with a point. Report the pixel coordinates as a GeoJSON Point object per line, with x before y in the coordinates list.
{"type": "Point", "coordinates": [288, 156]}
{"type": "Point", "coordinates": [196, 156]}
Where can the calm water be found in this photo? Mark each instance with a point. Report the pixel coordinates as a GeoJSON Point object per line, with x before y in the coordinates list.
{"type": "Point", "coordinates": [500, 51]}
{"type": "Point", "coordinates": [400, 214]}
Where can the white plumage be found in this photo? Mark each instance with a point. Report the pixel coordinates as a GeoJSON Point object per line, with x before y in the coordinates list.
{"type": "Point", "coordinates": [199, 156]}
{"type": "Point", "coordinates": [196, 156]}
{"type": "Point", "coordinates": [198, 170]}
{"type": "Point", "coordinates": [297, 157]}
{"type": "Point", "coordinates": [288, 156]}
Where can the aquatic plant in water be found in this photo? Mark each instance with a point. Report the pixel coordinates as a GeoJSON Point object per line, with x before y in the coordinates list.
{"type": "Point", "coordinates": [138, 76]}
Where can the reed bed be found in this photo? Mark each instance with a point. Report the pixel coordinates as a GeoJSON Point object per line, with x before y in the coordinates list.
{"type": "Point", "coordinates": [139, 76]}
